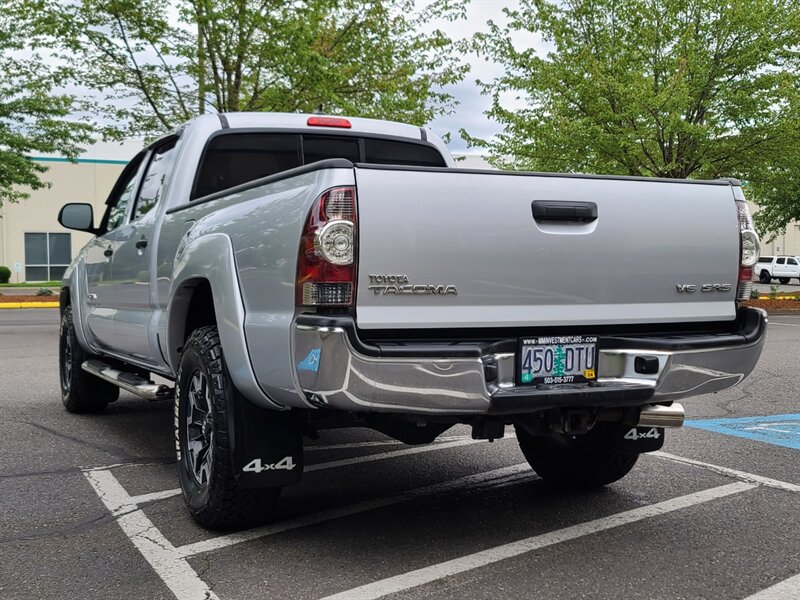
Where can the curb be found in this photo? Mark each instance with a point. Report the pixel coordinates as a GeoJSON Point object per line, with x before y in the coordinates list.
{"type": "Point", "coordinates": [29, 305]}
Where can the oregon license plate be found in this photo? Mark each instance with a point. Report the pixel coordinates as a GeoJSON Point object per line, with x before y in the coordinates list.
{"type": "Point", "coordinates": [558, 359]}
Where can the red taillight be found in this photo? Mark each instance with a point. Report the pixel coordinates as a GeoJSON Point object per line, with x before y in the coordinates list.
{"type": "Point", "coordinates": [326, 262]}
{"type": "Point", "coordinates": [749, 247]}
{"type": "Point", "coordinates": [329, 122]}
{"type": "Point", "coordinates": [745, 286]}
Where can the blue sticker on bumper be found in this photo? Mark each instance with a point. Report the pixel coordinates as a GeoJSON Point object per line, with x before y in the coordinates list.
{"type": "Point", "coordinates": [781, 430]}
{"type": "Point", "coordinates": [311, 361]}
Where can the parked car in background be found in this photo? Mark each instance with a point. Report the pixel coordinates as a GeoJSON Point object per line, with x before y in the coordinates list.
{"type": "Point", "coordinates": [782, 268]}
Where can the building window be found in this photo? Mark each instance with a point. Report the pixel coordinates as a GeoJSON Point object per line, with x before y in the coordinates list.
{"type": "Point", "coordinates": [47, 255]}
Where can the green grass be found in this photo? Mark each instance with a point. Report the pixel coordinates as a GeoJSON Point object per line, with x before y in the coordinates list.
{"type": "Point", "coordinates": [32, 285]}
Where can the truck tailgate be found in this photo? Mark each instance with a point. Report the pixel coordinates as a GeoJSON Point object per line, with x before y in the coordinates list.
{"type": "Point", "coordinates": [443, 248]}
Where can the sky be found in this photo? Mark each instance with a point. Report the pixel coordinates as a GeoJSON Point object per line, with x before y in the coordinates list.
{"type": "Point", "coordinates": [469, 113]}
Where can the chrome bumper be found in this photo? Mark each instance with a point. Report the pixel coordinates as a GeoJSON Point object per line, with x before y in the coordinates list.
{"type": "Point", "coordinates": [334, 369]}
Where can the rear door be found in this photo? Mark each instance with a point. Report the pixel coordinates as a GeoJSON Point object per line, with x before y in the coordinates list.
{"type": "Point", "coordinates": [786, 267]}
{"type": "Point", "coordinates": [780, 269]}
{"type": "Point", "coordinates": [100, 309]}
{"type": "Point", "coordinates": [459, 249]}
{"type": "Point", "coordinates": [793, 267]}
{"type": "Point", "coordinates": [131, 265]}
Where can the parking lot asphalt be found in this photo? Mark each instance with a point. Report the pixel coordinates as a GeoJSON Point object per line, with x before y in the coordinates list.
{"type": "Point", "coordinates": [89, 506]}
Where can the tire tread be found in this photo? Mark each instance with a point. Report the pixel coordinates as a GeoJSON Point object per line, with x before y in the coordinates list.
{"type": "Point", "coordinates": [87, 393]}
{"type": "Point", "coordinates": [583, 462]}
{"type": "Point", "coordinates": [227, 505]}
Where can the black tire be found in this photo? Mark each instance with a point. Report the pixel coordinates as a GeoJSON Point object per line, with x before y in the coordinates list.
{"type": "Point", "coordinates": [764, 277]}
{"type": "Point", "coordinates": [784, 280]}
{"type": "Point", "coordinates": [579, 462]}
{"type": "Point", "coordinates": [81, 392]}
{"type": "Point", "coordinates": [207, 476]}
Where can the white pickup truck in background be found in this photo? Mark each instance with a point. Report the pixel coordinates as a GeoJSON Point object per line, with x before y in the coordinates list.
{"type": "Point", "coordinates": [782, 268]}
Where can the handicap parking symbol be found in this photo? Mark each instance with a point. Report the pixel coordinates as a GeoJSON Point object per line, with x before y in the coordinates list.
{"type": "Point", "coordinates": [311, 361]}
{"type": "Point", "coordinates": [781, 430]}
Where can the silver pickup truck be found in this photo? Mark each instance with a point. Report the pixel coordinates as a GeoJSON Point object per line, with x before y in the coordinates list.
{"type": "Point", "coordinates": [291, 273]}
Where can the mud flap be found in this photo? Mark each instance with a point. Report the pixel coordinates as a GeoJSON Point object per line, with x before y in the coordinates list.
{"type": "Point", "coordinates": [267, 446]}
{"type": "Point", "coordinates": [641, 439]}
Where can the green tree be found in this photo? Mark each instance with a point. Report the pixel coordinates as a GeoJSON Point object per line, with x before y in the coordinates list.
{"type": "Point", "coordinates": [666, 88]}
{"type": "Point", "coordinates": [157, 63]}
{"type": "Point", "coordinates": [34, 118]}
{"type": "Point", "coordinates": [777, 192]}
{"type": "Point", "coordinates": [775, 184]}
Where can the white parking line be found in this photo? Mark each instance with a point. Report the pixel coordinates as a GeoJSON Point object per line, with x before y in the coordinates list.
{"type": "Point", "coordinates": [786, 324]}
{"type": "Point", "coordinates": [749, 477]}
{"type": "Point", "coordinates": [432, 573]}
{"type": "Point", "coordinates": [786, 589]}
{"type": "Point", "coordinates": [170, 563]}
{"type": "Point", "coordinates": [331, 464]}
{"type": "Point", "coordinates": [497, 477]}
{"type": "Point", "coordinates": [174, 571]}
{"type": "Point", "coordinates": [154, 496]}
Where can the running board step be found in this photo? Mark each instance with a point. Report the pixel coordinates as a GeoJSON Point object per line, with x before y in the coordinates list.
{"type": "Point", "coordinates": [136, 384]}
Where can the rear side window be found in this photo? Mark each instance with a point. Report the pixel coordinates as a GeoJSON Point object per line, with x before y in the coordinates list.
{"type": "Point", "coordinates": [780, 261]}
{"type": "Point", "coordinates": [121, 196]}
{"type": "Point", "coordinates": [232, 159]}
{"type": "Point", "coordinates": [155, 178]}
{"type": "Point", "coordinates": [389, 152]}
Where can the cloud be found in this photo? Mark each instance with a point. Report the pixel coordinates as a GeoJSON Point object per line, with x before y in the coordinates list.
{"type": "Point", "coordinates": [469, 115]}
{"type": "Point", "coordinates": [470, 112]}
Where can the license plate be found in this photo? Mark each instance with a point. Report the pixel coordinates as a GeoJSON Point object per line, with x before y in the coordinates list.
{"type": "Point", "coordinates": [558, 359]}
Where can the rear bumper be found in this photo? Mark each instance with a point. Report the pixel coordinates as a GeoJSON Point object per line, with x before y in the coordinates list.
{"type": "Point", "coordinates": [337, 370]}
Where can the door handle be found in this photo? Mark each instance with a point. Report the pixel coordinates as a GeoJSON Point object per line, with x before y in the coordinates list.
{"type": "Point", "coordinates": [108, 252]}
{"type": "Point", "coordinates": [141, 244]}
{"type": "Point", "coordinates": [555, 210]}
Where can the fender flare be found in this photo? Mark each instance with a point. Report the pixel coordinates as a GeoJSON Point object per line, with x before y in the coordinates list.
{"type": "Point", "coordinates": [210, 257]}
{"type": "Point", "coordinates": [75, 281]}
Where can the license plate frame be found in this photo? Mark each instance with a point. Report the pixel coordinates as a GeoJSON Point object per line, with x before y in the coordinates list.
{"type": "Point", "coordinates": [555, 376]}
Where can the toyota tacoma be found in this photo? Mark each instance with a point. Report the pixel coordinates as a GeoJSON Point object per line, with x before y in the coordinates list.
{"type": "Point", "coordinates": [281, 274]}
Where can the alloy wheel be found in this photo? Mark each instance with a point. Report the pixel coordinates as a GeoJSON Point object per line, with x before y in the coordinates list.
{"type": "Point", "coordinates": [199, 423]}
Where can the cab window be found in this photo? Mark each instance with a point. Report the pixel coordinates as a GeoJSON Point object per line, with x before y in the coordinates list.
{"type": "Point", "coordinates": [122, 195]}
{"type": "Point", "coordinates": [155, 178]}
{"type": "Point", "coordinates": [391, 152]}
{"type": "Point", "coordinates": [232, 159]}
{"type": "Point", "coordinates": [317, 148]}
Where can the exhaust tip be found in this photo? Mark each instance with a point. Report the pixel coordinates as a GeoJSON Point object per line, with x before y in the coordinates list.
{"type": "Point", "coordinates": [662, 416]}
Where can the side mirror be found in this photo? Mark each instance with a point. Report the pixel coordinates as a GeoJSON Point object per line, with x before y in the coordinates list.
{"type": "Point", "coordinates": [78, 216]}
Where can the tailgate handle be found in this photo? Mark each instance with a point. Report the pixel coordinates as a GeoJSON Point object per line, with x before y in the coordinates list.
{"type": "Point", "coordinates": [554, 210]}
